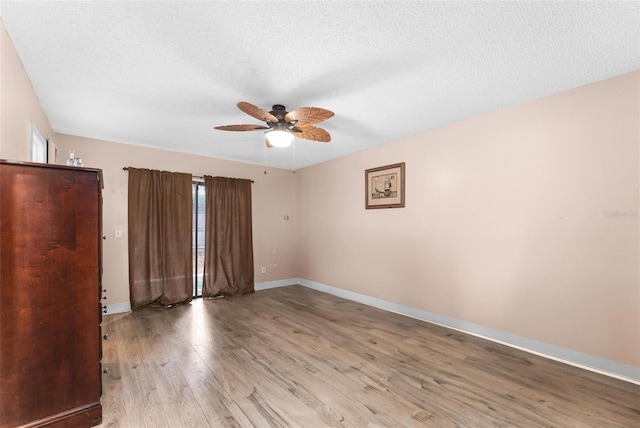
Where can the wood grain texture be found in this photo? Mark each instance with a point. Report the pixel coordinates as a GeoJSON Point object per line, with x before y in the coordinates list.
{"type": "Point", "coordinates": [49, 296]}
{"type": "Point", "coordinates": [296, 357]}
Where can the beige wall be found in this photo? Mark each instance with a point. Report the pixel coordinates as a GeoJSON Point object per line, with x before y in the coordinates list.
{"type": "Point", "coordinates": [272, 199]}
{"type": "Point", "coordinates": [524, 221]}
{"type": "Point", "coordinates": [19, 105]}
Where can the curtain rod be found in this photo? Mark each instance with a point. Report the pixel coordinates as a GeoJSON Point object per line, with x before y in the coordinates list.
{"type": "Point", "coordinates": [199, 177]}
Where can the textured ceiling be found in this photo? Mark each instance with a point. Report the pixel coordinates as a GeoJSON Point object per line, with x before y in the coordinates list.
{"type": "Point", "coordinates": [163, 74]}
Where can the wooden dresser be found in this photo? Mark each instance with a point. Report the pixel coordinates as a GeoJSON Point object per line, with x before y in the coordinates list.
{"type": "Point", "coordinates": [50, 313]}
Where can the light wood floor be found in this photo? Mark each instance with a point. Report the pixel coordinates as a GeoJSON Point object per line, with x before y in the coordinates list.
{"type": "Point", "coordinates": [295, 357]}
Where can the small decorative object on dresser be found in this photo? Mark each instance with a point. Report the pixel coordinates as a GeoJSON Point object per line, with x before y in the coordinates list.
{"type": "Point", "coordinates": [50, 314]}
{"type": "Point", "coordinates": [384, 186]}
{"type": "Point", "coordinates": [73, 159]}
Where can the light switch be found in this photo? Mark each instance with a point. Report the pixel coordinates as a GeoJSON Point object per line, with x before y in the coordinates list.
{"type": "Point", "coordinates": [118, 233]}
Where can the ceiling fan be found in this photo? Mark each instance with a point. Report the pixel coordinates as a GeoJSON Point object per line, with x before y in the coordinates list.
{"type": "Point", "coordinates": [283, 125]}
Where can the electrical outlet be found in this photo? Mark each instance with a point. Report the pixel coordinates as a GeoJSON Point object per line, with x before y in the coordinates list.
{"type": "Point", "coordinates": [264, 269]}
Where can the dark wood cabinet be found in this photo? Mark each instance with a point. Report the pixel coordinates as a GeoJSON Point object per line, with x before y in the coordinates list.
{"type": "Point", "coordinates": [50, 313]}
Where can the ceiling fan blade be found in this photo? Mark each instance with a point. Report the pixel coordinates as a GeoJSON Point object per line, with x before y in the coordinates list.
{"type": "Point", "coordinates": [257, 112]}
{"type": "Point", "coordinates": [312, 133]}
{"type": "Point", "coordinates": [241, 127]}
{"type": "Point", "coordinates": [308, 115]}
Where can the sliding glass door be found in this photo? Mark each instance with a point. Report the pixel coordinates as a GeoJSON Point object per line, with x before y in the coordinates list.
{"type": "Point", "coordinates": [198, 198]}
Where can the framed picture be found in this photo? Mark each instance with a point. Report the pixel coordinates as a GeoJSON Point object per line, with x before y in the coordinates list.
{"type": "Point", "coordinates": [384, 186]}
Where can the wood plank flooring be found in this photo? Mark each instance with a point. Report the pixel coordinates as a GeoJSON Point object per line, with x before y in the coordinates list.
{"type": "Point", "coordinates": [295, 357]}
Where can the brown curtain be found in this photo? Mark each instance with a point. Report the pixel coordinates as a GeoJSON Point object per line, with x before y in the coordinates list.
{"type": "Point", "coordinates": [228, 246]}
{"type": "Point", "coordinates": [160, 253]}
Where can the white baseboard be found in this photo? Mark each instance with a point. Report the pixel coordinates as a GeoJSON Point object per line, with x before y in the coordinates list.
{"type": "Point", "coordinates": [278, 283]}
{"type": "Point", "coordinates": [118, 308]}
{"type": "Point", "coordinates": [557, 353]}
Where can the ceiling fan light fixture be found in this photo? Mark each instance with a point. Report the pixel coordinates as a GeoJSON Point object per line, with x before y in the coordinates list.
{"type": "Point", "coordinates": [280, 138]}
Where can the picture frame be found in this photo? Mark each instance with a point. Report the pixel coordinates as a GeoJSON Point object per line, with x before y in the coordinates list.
{"type": "Point", "coordinates": [384, 186]}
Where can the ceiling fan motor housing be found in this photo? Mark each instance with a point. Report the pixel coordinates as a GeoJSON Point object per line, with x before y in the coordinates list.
{"type": "Point", "coordinates": [279, 111]}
